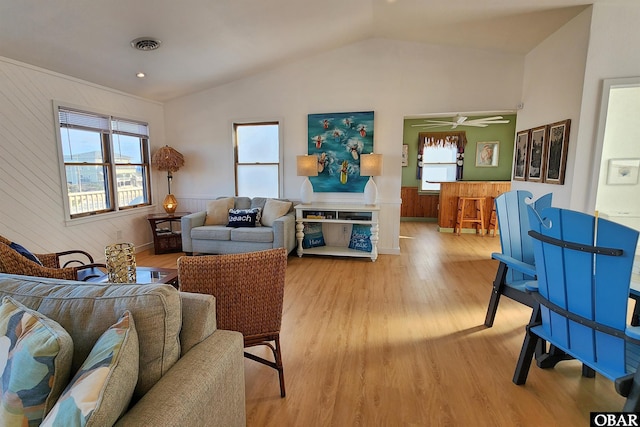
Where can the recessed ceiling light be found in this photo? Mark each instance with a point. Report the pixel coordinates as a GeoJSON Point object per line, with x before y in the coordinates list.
{"type": "Point", "coordinates": [145, 43]}
{"type": "Point", "coordinates": [140, 75]}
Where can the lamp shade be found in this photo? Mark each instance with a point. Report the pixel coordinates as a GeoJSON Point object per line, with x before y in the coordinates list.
{"type": "Point", "coordinates": [371, 164]}
{"type": "Point", "coordinates": [307, 165]}
{"type": "Point", "coordinates": [167, 159]}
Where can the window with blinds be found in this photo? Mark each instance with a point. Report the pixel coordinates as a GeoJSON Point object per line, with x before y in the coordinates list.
{"type": "Point", "coordinates": [106, 162]}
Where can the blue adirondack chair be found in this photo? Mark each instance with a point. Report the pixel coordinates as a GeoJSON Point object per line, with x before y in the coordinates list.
{"type": "Point", "coordinates": [516, 260]}
{"type": "Point", "coordinates": [584, 265]}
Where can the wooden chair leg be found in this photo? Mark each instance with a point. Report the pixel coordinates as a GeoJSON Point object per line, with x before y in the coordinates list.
{"type": "Point", "coordinates": [277, 356]}
{"type": "Point", "coordinates": [498, 285]}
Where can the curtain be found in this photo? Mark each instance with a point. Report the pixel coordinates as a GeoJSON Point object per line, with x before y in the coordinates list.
{"type": "Point", "coordinates": [442, 139]}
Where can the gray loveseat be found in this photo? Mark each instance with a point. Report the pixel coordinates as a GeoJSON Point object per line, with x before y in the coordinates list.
{"type": "Point", "coordinates": [191, 374]}
{"type": "Point", "coordinates": [275, 231]}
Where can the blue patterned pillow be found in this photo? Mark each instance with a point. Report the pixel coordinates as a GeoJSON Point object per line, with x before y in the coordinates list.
{"type": "Point", "coordinates": [361, 238]}
{"type": "Point", "coordinates": [35, 362]}
{"type": "Point", "coordinates": [244, 217]}
{"type": "Point", "coordinates": [313, 236]}
{"type": "Point", "coordinates": [100, 391]}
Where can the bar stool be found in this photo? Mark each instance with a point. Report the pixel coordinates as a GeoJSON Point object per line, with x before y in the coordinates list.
{"type": "Point", "coordinates": [476, 221]}
{"type": "Point", "coordinates": [493, 222]}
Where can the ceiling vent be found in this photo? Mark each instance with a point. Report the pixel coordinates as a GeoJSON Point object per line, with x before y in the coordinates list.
{"type": "Point", "coordinates": [145, 43]}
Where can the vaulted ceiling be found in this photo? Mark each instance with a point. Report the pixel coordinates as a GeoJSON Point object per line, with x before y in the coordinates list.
{"type": "Point", "coordinates": [211, 42]}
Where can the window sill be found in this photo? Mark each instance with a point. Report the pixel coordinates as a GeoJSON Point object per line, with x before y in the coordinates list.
{"type": "Point", "coordinates": [109, 215]}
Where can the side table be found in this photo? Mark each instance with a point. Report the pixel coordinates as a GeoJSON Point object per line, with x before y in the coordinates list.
{"type": "Point", "coordinates": [166, 237]}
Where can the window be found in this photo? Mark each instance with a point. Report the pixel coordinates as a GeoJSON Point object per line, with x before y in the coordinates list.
{"type": "Point", "coordinates": [106, 162]}
{"type": "Point", "coordinates": [257, 159]}
{"type": "Point", "coordinates": [438, 158]}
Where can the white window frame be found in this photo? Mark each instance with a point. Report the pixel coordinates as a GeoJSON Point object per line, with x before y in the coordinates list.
{"type": "Point", "coordinates": [117, 125]}
{"type": "Point", "coordinates": [236, 163]}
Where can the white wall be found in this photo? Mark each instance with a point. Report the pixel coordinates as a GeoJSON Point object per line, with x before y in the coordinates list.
{"type": "Point", "coordinates": [552, 91]}
{"type": "Point", "coordinates": [394, 79]}
{"type": "Point", "coordinates": [613, 53]}
{"type": "Point", "coordinates": [31, 212]}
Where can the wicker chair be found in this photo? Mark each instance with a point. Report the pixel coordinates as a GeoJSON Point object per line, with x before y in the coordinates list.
{"type": "Point", "coordinates": [12, 262]}
{"type": "Point", "coordinates": [249, 292]}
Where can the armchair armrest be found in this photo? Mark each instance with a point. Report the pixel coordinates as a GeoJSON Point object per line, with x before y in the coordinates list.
{"type": "Point", "coordinates": [520, 266]}
{"type": "Point", "coordinates": [188, 222]}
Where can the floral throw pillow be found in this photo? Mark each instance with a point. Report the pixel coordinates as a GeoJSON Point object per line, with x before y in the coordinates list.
{"type": "Point", "coordinates": [100, 391]}
{"type": "Point", "coordinates": [35, 363]}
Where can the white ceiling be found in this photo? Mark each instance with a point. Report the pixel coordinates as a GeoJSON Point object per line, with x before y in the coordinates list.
{"type": "Point", "coordinates": [210, 42]}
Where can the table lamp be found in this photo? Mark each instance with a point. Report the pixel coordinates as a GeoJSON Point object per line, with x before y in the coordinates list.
{"type": "Point", "coordinates": [307, 166]}
{"type": "Point", "coordinates": [370, 165]}
{"type": "Point", "coordinates": [170, 160]}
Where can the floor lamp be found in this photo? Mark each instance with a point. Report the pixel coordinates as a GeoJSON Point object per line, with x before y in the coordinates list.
{"type": "Point", "coordinates": [170, 160]}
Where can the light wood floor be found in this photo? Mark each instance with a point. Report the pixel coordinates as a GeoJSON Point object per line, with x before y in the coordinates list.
{"type": "Point", "coordinates": [401, 342]}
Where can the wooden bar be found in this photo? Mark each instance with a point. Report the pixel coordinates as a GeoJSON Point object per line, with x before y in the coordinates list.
{"type": "Point", "coordinates": [416, 205]}
{"type": "Point", "coordinates": [450, 191]}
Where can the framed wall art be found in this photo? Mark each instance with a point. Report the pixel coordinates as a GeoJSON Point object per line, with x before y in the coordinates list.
{"type": "Point", "coordinates": [535, 154]}
{"type": "Point", "coordinates": [521, 152]}
{"type": "Point", "coordinates": [338, 140]}
{"type": "Point", "coordinates": [555, 153]}
{"type": "Point", "coordinates": [487, 154]}
{"type": "Point", "coordinates": [623, 171]}
{"type": "Point", "coordinates": [405, 155]}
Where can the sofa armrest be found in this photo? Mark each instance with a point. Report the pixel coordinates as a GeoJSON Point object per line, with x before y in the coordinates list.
{"type": "Point", "coordinates": [284, 232]}
{"type": "Point", "coordinates": [205, 387]}
{"type": "Point", "coordinates": [188, 222]}
{"type": "Point", "coordinates": [198, 319]}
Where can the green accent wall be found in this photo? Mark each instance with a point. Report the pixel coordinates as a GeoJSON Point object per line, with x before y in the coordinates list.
{"type": "Point", "coordinates": [504, 133]}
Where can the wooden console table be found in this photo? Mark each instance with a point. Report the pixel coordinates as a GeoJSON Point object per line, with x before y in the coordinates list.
{"type": "Point", "coordinates": [166, 238]}
{"type": "Point", "coordinates": [335, 215]}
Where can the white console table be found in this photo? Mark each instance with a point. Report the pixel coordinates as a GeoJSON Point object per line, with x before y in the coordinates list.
{"type": "Point", "coordinates": [338, 213]}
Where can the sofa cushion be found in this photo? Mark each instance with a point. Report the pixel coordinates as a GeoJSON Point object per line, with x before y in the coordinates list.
{"type": "Point", "coordinates": [258, 202]}
{"type": "Point", "coordinates": [257, 234]}
{"type": "Point", "coordinates": [244, 217]}
{"type": "Point", "coordinates": [100, 391]}
{"type": "Point", "coordinates": [211, 232]}
{"type": "Point", "coordinates": [218, 211]}
{"type": "Point", "coordinates": [87, 310]}
{"type": "Point", "coordinates": [35, 362]}
{"type": "Point", "coordinates": [242, 202]}
{"type": "Point", "coordinates": [274, 209]}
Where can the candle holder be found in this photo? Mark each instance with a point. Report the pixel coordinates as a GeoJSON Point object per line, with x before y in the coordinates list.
{"type": "Point", "coordinates": [121, 262]}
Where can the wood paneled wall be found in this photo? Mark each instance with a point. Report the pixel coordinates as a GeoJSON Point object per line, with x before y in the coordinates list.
{"type": "Point", "coordinates": [450, 191]}
{"type": "Point", "coordinates": [416, 205]}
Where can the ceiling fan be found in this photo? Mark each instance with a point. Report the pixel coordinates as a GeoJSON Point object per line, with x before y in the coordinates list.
{"type": "Point", "coordinates": [462, 121]}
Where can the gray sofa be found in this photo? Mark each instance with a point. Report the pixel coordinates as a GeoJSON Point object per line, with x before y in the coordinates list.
{"type": "Point", "coordinates": [191, 374]}
{"type": "Point", "coordinates": [220, 239]}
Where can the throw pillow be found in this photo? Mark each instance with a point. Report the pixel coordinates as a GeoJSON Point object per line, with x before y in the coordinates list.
{"type": "Point", "coordinates": [361, 238]}
{"type": "Point", "coordinates": [244, 217]}
{"type": "Point", "coordinates": [218, 211]}
{"type": "Point", "coordinates": [313, 236]}
{"type": "Point", "coordinates": [35, 362]}
{"type": "Point", "coordinates": [25, 252]}
{"type": "Point", "coordinates": [100, 391]}
{"type": "Point", "coordinates": [274, 209]}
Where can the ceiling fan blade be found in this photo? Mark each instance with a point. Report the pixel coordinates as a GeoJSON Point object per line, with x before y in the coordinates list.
{"type": "Point", "coordinates": [431, 125]}
{"type": "Point", "coordinates": [476, 125]}
{"type": "Point", "coordinates": [460, 119]}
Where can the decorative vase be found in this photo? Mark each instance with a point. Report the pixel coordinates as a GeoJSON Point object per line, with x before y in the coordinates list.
{"type": "Point", "coordinates": [121, 262]}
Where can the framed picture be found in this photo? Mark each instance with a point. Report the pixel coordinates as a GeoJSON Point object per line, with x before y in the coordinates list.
{"type": "Point", "coordinates": [487, 154]}
{"type": "Point", "coordinates": [535, 154]}
{"type": "Point", "coordinates": [556, 152]}
{"type": "Point", "coordinates": [521, 152]}
{"type": "Point", "coordinates": [405, 155]}
{"type": "Point", "coordinates": [623, 171]}
{"type": "Point", "coordinates": [338, 140]}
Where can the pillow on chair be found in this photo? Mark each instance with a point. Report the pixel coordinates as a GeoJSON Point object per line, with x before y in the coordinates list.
{"type": "Point", "coordinates": [25, 252]}
{"type": "Point", "coordinates": [274, 209]}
